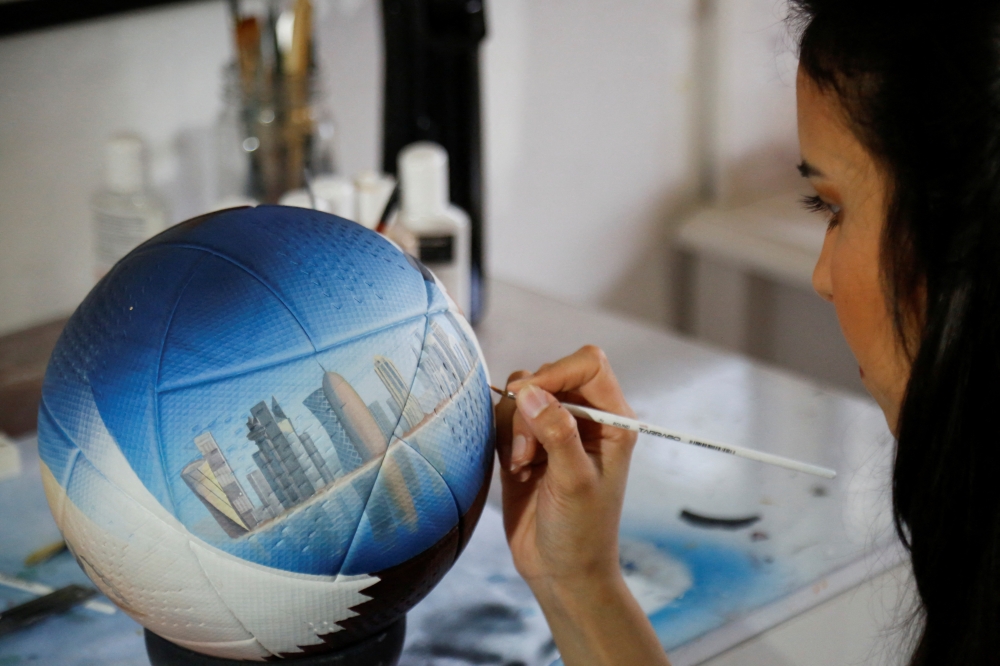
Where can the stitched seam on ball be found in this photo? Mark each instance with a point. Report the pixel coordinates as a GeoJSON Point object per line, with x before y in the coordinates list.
{"type": "Point", "coordinates": [316, 349]}
{"type": "Point", "coordinates": [251, 273]}
{"type": "Point", "coordinates": [300, 357]}
{"type": "Point", "coordinates": [70, 465]}
{"type": "Point", "coordinates": [156, 384]}
{"type": "Point", "coordinates": [458, 509]}
{"type": "Point", "coordinates": [291, 312]}
{"type": "Point", "coordinates": [413, 380]}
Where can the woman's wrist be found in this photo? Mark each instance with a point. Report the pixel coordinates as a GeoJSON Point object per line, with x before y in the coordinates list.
{"type": "Point", "coordinates": [574, 595]}
{"type": "Point", "coordinates": [595, 620]}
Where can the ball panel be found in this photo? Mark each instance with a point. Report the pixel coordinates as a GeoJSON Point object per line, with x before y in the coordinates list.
{"type": "Point", "coordinates": [74, 428]}
{"type": "Point", "coordinates": [111, 344]}
{"type": "Point", "coordinates": [403, 586]}
{"type": "Point", "coordinates": [284, 612]}
{"type": "Point", "coordinates": [185, 590]}
{"type": "Point", "coordinates": [227, 322]}
{"type": "Point", "coordinates": [409, 510]}
{"type": "Point", "coordinates": [470, 518]}
{"type": "Point", "coordinates": [138, 560]}
{"type": "Point", "coordinates": [437, 297]}
{"type": "Point", "coordinates": [56, 449]}
{"type": "Point", "coordinates": [339, 279]}
{"type": "Point", "coordinates": [398, 589]}
{"type": "Point", "coordinates": [451, 440]}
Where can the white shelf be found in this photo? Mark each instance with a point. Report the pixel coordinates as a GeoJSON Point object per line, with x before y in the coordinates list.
{"type": "Point", "coordinates": [775, 238]}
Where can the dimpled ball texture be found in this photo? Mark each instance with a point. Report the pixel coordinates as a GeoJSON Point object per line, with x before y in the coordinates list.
{"type": "Point", "coordinates": [266, 432]}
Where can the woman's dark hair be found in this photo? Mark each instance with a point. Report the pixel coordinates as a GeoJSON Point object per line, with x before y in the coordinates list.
{"type": "Point", "coordinates": [919, 85]}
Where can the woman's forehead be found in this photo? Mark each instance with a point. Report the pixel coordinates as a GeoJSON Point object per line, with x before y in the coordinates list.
{"type": "Point", "coordinates": [830, 150]}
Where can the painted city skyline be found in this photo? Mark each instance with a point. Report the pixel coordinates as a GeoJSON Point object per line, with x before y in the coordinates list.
{"type": "Point", "coordinates": [289, 465]}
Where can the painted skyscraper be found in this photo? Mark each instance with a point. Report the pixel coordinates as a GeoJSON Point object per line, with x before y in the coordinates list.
{"type": "Point", "coordinates": [354, 417]}
{"type": "Point", "coordinates": [271, 507]}
{"type": "Point", "coordinates": [212, 480]}
{"type": "Point", "coordinates": [292, 467]}
{"type": "Point", "coordinates": [445, 365]}
{"type": "Point", "coordinates": [399, 389]}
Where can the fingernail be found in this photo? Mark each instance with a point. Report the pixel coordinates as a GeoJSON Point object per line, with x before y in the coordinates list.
{"type": "Point", "coordinates": [513, 386]}
{"type": "Point", "coordinates": [532, 400]}
{"type": "Point", "coordinates": [524, 475]}
{"type": "Point", "coordinates": [517, 452]}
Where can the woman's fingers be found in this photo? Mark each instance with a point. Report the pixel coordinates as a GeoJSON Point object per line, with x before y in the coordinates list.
{"type": "Point", "coordinates": [548, 423]}
{"type": "Point", "coordinates": [505, 415]}
{"type": "Point", "coordinates": [587, 373]}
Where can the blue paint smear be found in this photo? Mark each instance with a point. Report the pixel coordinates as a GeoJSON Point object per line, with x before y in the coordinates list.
{"type": "Point", "coordinates": [725, 581]}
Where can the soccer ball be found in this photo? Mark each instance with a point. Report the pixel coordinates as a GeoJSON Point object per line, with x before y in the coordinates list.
{"type": "Point", "coordinates": [266, 431]}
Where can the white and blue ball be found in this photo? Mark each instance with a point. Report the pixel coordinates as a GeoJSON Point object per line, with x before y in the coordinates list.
{"type": "Point", "coordinates": [266, 431]}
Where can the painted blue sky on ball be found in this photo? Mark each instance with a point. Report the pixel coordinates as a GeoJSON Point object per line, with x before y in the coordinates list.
{"type": "Point", "coordinates": [291, 386]}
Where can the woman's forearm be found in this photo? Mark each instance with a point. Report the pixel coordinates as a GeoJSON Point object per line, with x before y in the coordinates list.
{"type": "Point", "coordinates": [597, 622]}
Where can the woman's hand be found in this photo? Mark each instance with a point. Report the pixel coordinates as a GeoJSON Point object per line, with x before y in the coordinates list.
{"type": "Point", "coordinates": [563, 482]}
{"type": "Point", "coordinates": [563, 488]}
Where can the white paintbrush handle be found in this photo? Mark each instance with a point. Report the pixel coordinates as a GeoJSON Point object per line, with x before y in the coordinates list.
{"type": "Point", "coordinates": [624, 423]}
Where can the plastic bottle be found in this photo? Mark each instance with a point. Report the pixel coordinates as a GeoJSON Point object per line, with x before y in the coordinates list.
{"type": "Point", "coordinates": [302, 198]}
{"type": "Point", "coordinates": [126, 211]}
{"type": "Point", "coordinates": [338, 194]}
{"type": "Point", "coordinates": [442, 229]}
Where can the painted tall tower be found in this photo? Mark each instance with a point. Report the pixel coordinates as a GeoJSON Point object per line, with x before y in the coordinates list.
{"type": "Point", "coordinates": [399, 390]}
{"type": "Point", "coordinates": [212, 480]}
{"type": "Point", "coordinates": [354, 417]}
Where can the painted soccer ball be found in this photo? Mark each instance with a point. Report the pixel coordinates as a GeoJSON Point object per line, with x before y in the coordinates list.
{"type": "Point", "coordinates": [266, 431]}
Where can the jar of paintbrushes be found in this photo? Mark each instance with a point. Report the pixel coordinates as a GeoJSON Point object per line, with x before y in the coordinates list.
{"type": "Point", "coordinates": [275, 129]}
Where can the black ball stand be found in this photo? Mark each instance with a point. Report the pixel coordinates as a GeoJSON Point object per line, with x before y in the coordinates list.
{"type": "Point", "coordinates": [381, 649]}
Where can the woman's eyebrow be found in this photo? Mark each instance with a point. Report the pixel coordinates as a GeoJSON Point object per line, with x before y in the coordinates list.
{"type": "Point", "coordinates": [808, 170]}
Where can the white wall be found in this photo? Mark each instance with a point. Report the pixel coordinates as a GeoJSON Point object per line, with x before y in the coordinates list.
{"type": "Point", "coordinates": [755, 138]}
{"type": "Point", "coordinates": [64, 92]}
{"type": "Point", "coordinates": [590, 152]}
{"type": "Point", "coordinates": [596, 129]}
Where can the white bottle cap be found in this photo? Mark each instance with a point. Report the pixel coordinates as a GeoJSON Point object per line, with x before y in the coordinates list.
{"type": "Point", "coordinates": [302, 199]}
{"type": "Point", "coordinates": [337, 193]}
{"type": "Point", "coordinates": [374, 191]}
{"type": "Point", "coordinates": [423, 173]}
{"type": "Point", "coordinates": [123, 168]}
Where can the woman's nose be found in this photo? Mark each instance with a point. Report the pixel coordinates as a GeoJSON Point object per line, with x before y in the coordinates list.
{"type": "Point", "coordinates": [821, 280]}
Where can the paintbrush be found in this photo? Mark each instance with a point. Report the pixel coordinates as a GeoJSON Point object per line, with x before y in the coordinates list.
{"type": "Point", "coordinates": [296, 70]}
{"type": "Point", "coordinates": [625, 423]}
{"type": "Point", "coordinates": [248, 52]}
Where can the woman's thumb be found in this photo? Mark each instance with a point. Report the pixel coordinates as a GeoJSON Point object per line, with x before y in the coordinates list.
{"type": "Point", "coordinates": [555, 429]}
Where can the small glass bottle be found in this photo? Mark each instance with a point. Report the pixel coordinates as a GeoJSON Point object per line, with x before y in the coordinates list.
{"type": "Point", "coordinates": [269, 138]}
{"type": "Point", "coordinates": [126, 210]}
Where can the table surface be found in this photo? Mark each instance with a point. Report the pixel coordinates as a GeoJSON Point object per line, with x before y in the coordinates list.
{"type": "Point", "coordinates": [774, 544]}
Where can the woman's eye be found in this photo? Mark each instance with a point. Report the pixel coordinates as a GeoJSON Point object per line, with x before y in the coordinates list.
{"type": "Point", "coordinates": [816, 205]}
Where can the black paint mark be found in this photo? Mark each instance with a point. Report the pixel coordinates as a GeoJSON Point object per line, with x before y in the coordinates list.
{"type": "Point", "coordinates": [711, 522]}
{"type": "Point", "coordinates": [819, 491]}
{"type": "Point", "coordinates": [451, 652]}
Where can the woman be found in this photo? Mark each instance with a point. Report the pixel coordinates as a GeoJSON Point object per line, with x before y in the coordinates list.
{"type": "Point", "coordinates": [899, 130]}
